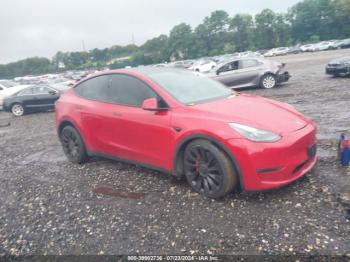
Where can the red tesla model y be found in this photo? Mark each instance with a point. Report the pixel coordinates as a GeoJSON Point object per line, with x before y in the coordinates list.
{"type": "Point", "coordinates": [188, 125]}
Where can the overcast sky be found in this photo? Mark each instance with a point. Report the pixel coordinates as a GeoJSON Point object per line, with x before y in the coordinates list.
{"type": "Point", "coordinates": [43, 27]}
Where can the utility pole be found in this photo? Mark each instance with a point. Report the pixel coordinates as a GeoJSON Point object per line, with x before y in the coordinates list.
{"type": "Point", "coordinates": [133, 38]}
{"type": "Point", "coordinates": [83, 44]}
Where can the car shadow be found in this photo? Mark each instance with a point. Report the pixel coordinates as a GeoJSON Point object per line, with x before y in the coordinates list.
{"type": "Point", "coordinates": [182, 185]}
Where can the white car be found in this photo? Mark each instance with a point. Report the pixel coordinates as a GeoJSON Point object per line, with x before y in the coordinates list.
{"type": "Point", "coordinates": [271, 52]}
{"type": "Point", "coordinates": [5, 84]}
{"type": "Point", "coordinates": [245, 54]}
{"type": "Point", "coordinates": [9, 91]}
{"type": "Point", "coordinates": [203, 66]}
{"type": "Point", "coordinates": [308, 48]}
{"type": "Point", "coordinates": [325, 45]}
{"type": "Point", "coordinates": [281, 51]}
{"type": "Point", "coordinates": [277, 51]}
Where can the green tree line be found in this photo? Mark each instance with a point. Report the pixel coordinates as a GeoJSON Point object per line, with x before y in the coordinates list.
{"type": "Point", "coordinates": [219, 33]}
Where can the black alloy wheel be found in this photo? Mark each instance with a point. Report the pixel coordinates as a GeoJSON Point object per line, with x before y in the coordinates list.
{"type": "Point", "coordinates": [208, 169]}
{"type": "Point", "coordinates": [73, 145]}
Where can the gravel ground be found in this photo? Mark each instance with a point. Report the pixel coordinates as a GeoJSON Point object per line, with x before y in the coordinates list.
{"type": "Point", "coordinates": [49, 206]}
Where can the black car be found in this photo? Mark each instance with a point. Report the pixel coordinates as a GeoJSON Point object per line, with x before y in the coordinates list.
{"type": "Point", "coordinates": [32, 99]}
{"type": "Point", "coordinates": [339, 67]}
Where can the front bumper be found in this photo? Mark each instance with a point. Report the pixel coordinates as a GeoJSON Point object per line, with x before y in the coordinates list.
{"type": "Point", "coordinates": [266, 166]}
{"type": "Point", "coordinates": [284, 77]}
{"type": "Point", "coordinates": [338, 70]}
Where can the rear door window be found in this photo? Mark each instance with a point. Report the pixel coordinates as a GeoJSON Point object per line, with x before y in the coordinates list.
{"type": "Point", "coordinates": [40, 90]}
{"type": "Point", "coordinates": [229, 66]}
{"type": "Point", "coordinates": [93, 89]}
{"type": "Point", "coordinates": [26, 92]}
{"type": "Point", "coordinates": [247, 63]}
{"type": "Point", "coordinates": [128, 90]}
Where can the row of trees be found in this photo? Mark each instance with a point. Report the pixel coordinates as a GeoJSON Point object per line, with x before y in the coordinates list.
{"type": "Point", "coordinates": [307, 21]}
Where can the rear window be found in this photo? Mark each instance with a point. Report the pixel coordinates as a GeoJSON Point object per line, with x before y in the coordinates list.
{"type": "Point", "coordinates": [93, 89]}
{"type": "Point", "coordinates": [248, 63]}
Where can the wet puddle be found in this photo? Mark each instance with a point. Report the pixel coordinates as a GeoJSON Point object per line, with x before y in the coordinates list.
{"type": "Point", "coordinates": [48, 155]}
{"type": "Point", "coordinates": [123, 194]}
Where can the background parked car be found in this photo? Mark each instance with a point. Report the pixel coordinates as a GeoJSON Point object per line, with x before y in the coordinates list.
{"type": "Point", "coordinates": [308, 48]}
{"type": "Point", "coordinates": [248, 72]}
{"type": "Point", "coordinates": [294, 49]}
{"type": "Point", "coordinates": [277, 51]}
{"type": "Point", "coordinates": [8, 92]}
{"type": "Point", "coordinates": [270, 52]}
{"type": "Point", "coordinates": [182, 64]}
{"type": "Point", "coordinates": [345, 43]}
{"type": "Point", "coordinates": [203, 66]}
{"type": "Point", "coordinates": [5, 84]}
{"type": "Point", "coordinates": [339, 67]}
{"type": "Point", "coordinates": [281, 51]}
{"type": "Point", "coordinates": [325, 45]}
{"type": "Point", "coordinates": [31, 99]}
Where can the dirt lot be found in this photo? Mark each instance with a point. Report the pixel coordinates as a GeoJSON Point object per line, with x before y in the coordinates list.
{"type": "Point", "coordinates": [49, 206]}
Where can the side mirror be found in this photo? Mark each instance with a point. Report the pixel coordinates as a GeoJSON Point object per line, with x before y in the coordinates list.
{"type": "Point", "coordinates": [218, 72]}
{"type": "Point", "coordinates": [150, 104]}
{"type": "Point", "coordinates": [52, 92]}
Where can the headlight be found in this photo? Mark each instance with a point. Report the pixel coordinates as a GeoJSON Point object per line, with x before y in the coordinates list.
{"type": "Point", "coordinates": [254, 134]}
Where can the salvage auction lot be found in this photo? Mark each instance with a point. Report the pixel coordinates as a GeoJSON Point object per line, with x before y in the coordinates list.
{"type": "Point", "coordinates": [50, 206]}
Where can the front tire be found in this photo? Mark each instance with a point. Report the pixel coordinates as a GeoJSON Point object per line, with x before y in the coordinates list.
{"type": "Point", "coordinates": [17, 109]}
{"type": "Point", "coordinates": [208, 169]}
{"type": "Point", "coordinates": [73, 145]}
{"type": "Point", "coordinates": [268, 81]}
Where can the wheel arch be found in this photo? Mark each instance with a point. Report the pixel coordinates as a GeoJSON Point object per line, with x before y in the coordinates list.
{"type": "Point", "coordinates": [68, 122]}
{"type": "Point", "coordinates": [180, 149]}
{"type": "Point", "coordinates": [15, 103]}
{"type": "Point", "coordinates": [267, 73]}
{"type": "Point", "coordinates": [65, 123]}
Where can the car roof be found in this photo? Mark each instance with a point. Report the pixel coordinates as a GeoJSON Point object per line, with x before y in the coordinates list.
{"type": "Point", "coordinates": [151, 70]}
{"type": "Point", "coordinates": [145, 71]}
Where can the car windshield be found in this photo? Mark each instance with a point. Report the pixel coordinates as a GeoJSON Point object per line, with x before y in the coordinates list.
{"type": "Point", "coordinates": [189, 88]}
{"type": "Point", "coordinates": [7, 83]}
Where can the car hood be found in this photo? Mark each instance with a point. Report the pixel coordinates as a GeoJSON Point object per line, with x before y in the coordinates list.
{"type": "Point", "coordinates": [340, 60]}
{"type": "Point", "coordinates": [256, 112]}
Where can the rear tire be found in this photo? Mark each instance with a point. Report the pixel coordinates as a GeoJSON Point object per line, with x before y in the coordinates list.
{"type": "Point", "coordinates": [17, 109]}
{"type": "Point", "coordinates": [73, 145]}
{"type": "Point", "coordinates": [209, 170]}
{"type": "Point", "coordinates": [268, 81]}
